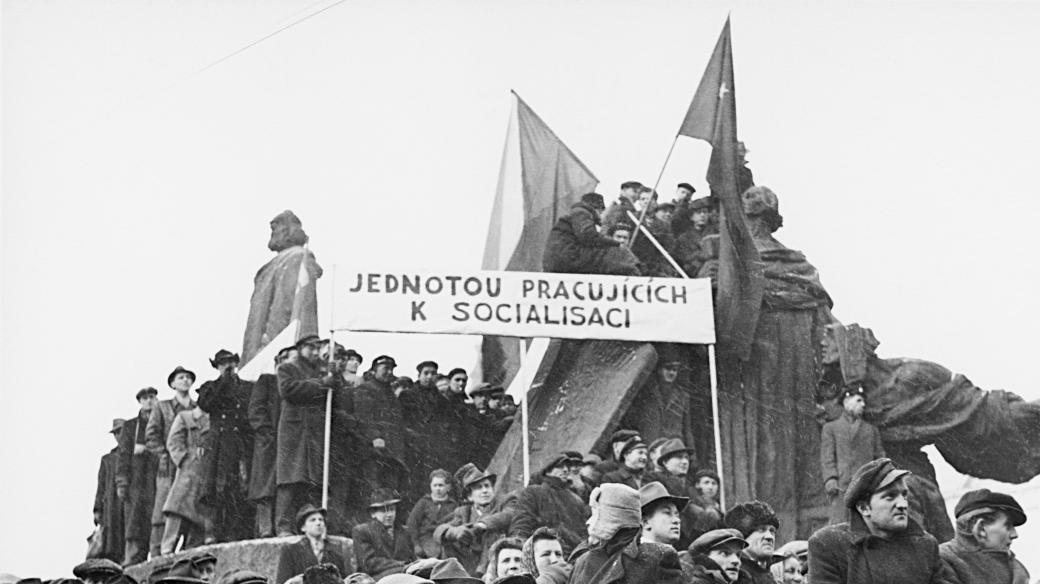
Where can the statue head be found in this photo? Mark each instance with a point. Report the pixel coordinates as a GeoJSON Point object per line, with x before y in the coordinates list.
{"type": "Point", "coordinates": [761, 203]}
{"type": "Point", "coordinates": [286, 231]}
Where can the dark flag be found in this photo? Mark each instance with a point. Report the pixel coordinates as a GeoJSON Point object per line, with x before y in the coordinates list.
{"type": "Point", "coordinates": [713, 117]}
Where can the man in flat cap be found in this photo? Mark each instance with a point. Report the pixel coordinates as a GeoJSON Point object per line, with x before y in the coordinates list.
{"type": "Point", "coordinates": [617, 441]}
{"type": "Point", "coordinates": [880, 544]}
{"type": "Point", "coordinates": [310, 550]}
{"type": "Point", "coordinates": [661, 511]}
{"type": "Point", "coordinates": [624, 205]}
{"type": "Point", "coordinates": [135, 480]}
{"type": "Point", "coordinates": [425, 415]}
{"type": "Point", "coordinates": [98, 571]}
{"type": "Point", "coordinates": [108, 507]}
{"type": "Point", "coordinates": [713, 558]}
{"type": "Point", "coordinates": [634, 459]}
{"type": "Point", "coordinates": [265, 407]}
{"type": "Point", "coordinates": [846, 444]}
{"type": "Point", "coordinates": [757, 523]}
{"type": "Point", "coordinates": [576, 245]}
{"type": "Point", "coordinates": [381, 546]}
{"type": "Point", "coordinates": [229, 451]}
{"type": "Point", "coordinates": [689, 252]}
{"type": "Point", "coordinates": [981, 550]}
{"type": "Point", "coordinates": [552, 503]}
{"type": "Point", "coordinates": [201, 566]}
{"type": "Point", "coordinates": [381, 430]}
{"type": "Point", "coordinates": [160, 422]}
{"type": "Point", "coordinates": [681, 217]}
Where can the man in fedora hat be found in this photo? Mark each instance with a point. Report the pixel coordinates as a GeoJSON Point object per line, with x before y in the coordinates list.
{"type": "Point", "coordinates": [478, 522]}
{"type": "Point", "coordinates": [576, 245]}
{"type": "Point", "coordinates": [160, 422]}
{"type": "Point", "coordinates": [552, 503]}
{"type": "Point", "coordinates": [981, 550]}
{"type": "Point", "coordinates": [135, 479]}
{"type": "Point", "coordinates": [310, 550]}
{"type": "Point", "coordinates": [661, 513]}
{"type": "Point", "coordinates": [108, 508]}
{"type": "Point", "coordinates": [881, 543]}
{"type": "Point", "coordinates": [265, 407]}
{"type": "Point", "coordinates": [450, 571]}
{"type": "Point", "coordinates": [846, 444]}
{"type": "Point", "coordinates": [229, 449]}
{"type": "Point", "coordinates": [634, 460]}
{"type": "Point", "coordinates": [382, 548]}
{"type": "Point", "coordinates": [713, 558]}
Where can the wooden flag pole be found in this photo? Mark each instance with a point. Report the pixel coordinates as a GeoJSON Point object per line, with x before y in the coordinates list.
{"type": "Point", "coordinates": [660, 175]}
{"type": "Point", "coordinates": [525, 386]}
{"type": "Point", "coordinates": [659, 247]}
{"type": "Point", "coordinates": [328, 400]}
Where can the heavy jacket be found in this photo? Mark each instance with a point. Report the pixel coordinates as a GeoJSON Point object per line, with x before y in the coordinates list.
{"type": "Point", "coordinates": [136, 473]}
{"type": "Point", "coordinates": [625, 476]}
{"type": "Point", "coordinates": [296, 557]}
{"type": "Point", "coordinates": [265, 405]}
{"type": "Point", "coordinates": [378, 553]}
{"type": "Point", "coordinates": [576, 246]}
{"type": "Point", "coordinates": [846, 445]}
{"type": "Point", "coordinates": [158, 430]}
{"type": "Point", "coordinates": [618, 212]}
{"type": "Point", "coordinates": [968, 564]}
{"type": "Point", "coordinates": [229, 448]}
{"type": "Point", "coordinates": [751, 572]}
{"type": "Point", "coordinates": [425, 516]}
{"type": "Point", "coordinates": [473, 554]}
{"type": "Point", "coordinates": [379, 416]}
{"type": "Point", "coordinates": [700, 569]}
{"type": "Point", "coordinates": [109, 509]}
{"type": "Point", "coordinates": [704, 515]}
{"type": "Point", "coordinates": [636, 563]}
{"type": "Point", "coordinates": [427, 435]}
{"type": "Point", "coordinates": [660, 410]}
{"type": "Point", "coordinates": [551, 504]}
{"type": "Point", "coordinates": [848, 554]}
{"type": "Point", "coordinates": [301, 427]}
{"type": "Point", "coordinates": [185, 445]}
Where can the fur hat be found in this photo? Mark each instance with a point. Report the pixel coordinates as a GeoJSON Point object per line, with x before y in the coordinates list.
{"type": "Point", "coordinates": [594, 200]}
{"type": "Point", "coordinates": [748, 518]}
{"type": "Point", "coordinates": [616, 506]}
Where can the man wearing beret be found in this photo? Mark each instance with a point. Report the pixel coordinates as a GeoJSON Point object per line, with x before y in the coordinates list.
{"type": "Point", "coordinates": [551, 503]}
{"type": "Point", "coordinates": [880, 544]}
{"type": "Point", "coordinates": [135, 479]}
{"type": "Point", "coordinates": [634, 459]}
{"type": "Point", "coordinates": [757, 523]}
{"type": "Point", "coordinates": [845, 445]}
{"type": "Point", "coordinates": [160, 422]}
{"type": "Point", "coordinates": [576, 246]}
{"type": "Point", "coordinates": [981, 550]}
{"type": "Point", "coordinates": [713, 558]}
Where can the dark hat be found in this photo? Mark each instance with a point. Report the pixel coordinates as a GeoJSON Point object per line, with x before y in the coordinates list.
{"type": "Point", "coordinates": [667, 353]}
{"type": "Point", "coordinates": [853, 390]}
{"type": "Point", "coordinates": [468, 475]}
{"type": "Point", "coordinates": [425, 364]}
{"type": "Point", "coordinates": [383, 497]}
{"type": "Point", "coordinates": [563, 458]}
{"type": "Point", "coordinates": [652, 492]}
{"type": "Point", "coordinates": [716, 538]}
{"type": "Point", "coordinates": [686, 186]}
{"type": "Point", "coordinates": [706, 472]}
{"type": "Point", "coordinates": [146, 391]}
{"type": "Point", "coordinates": [223, 355]}
{"type": "Point", "coordinates": [870, 478]}
{"type": "Point", "coordinates": [242, 577]}
{"type": "Point", "coordinates": [179, 369]}
{"type": "Point", "coordinates": [384, 360]}
{"type": "Point", "coordinates": [117, 425]}
{"type": "Point", "coordinates": [622, 436]}
{"type": "Point", "coordinates": [352, 353]}
{"type": "Point", "coordinates": [307, 340]}
{"type": "Point", "coordinates": [594, 200]}
{"type": "Point", "coordinates": [484, 388]}
{"type": "Point", "coordinates": [985, 500]}
{"type": "Point", "coordinates": [665, 205]}
{"type": "Point", "coordinates": [591, 458]}
{"type": "Point", "coordinates": [749, 517]}
{"type": "Point", "coordinates": [702, 203]}
{"type": "Point", "coordinates": [402, 381]}
{"type": "Point", "coordinates": [515, 579]}
{"type": "Point", "coordinates": [632, 184]}
{"type": "Point", "coordinates": [631, 444]}
{"type": "Point", "coordinates": [671, 447]}
{"type": "Point", "coordinates": [322, 574]}
{"type": "Point", "coordinates": [305, 512]}
{"type": "Point", "coordinates": [96, 567]}
{"type": "Point", "coordinates": [450, 571]}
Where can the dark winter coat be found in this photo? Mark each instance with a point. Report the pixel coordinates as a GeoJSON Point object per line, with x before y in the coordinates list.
{"type": "Point", "coordinates": [158, 430]}
{"type": "Point", "coordinates": [473, 554]}
{"type": "Point", "coordinates": [968, 564]}
{"type": "Point", "coordinates": [229, 448]}
{"type": "Point", "coordinates": [700, 569]}
{"type": "Point", "coordinates": [185, 445]}
{"type": "Point", "coordinates": [265, 405]}
{"type": "Point", "coordinates": [379, 416]}
{"type": "Point", "coordinates": [301, 426]}
{"type": "Point", "coordinates": [136, 473]}
{"type": "Point", "coordinates": [551, 504]}
{"type": "Point", "coordinates": [660, 410]}
{"type": "Point", "coordinates": [295, 558]}
{"type": "Point", "coordinates": [378, 553]}
{"type": "Point", "coordinates": [847, 553]}
{"type": "Point", "coordinates": [427, 438]}
{"type": "Point", "coordinates": [109, 509]}
{"type": "Point", "coordinates": [618, 212]}
{"type": "Point", "coordinates": [625, 476]}
{"type": "Point", "coordinates": [751, 572]}
{"type": "Point", "coordinates": [704, 515]}
{"type": "Point", "coordinates": [636, 563]}
{"type": "Point", "coordinates": [576, 246]}
{"type": "Point", "coordinates": [426, 515]}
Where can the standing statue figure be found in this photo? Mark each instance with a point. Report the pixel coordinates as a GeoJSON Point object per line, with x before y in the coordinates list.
{"type": "Point", "coordinates": [276, 301]}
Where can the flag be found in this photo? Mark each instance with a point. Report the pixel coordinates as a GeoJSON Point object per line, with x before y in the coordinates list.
{"type": "Point", "coordinates": [741, 280]}
{"type": "Point", "coordinates": [263, 361]}
{"type": "Point", "coordinates": [538, 181]}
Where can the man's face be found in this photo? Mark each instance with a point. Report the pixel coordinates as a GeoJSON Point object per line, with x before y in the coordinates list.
{"type": "Point", "coordinates": [510, 562]}
{"type": "Point", "coordinates": [630, 194]}
{"type": "Point", "coordinates": [635, 459]}
{"type": "Point", "coordinates": [761, 542]}
{"type": "Point", "coordinates": [707, 487]}
{"type": "Point", "coordinates": [699, 218]}
{"type": "Point", "coordinates": [621, 235]}
{"type": "Point", "coordinates": [643, 200]}
{"type": "Point", "coordinates": [427, 375]}
{"type": "Point", "coordinates": [482, 493]}
{"type": "Point", "coordinates": [663, 214]}
{"type": "Point", "coordinates": [728, 558]}
{"type": "Point", "coordinates": [792, 571]}
{"type": "Point", "coordinates": [683, 193]}
{"type": "Point", "coordinates": [854, 405]}
{"type": "Point", "coordinates": [351, 364]}
{"type": "Point", "coordinates": [383, 372]}
{"type": "Point", "coordinates": [458, 383]}
{"type": "Point", "coordinates": [677, 464]}
{"type": "Point", "coordinates": [669, 372]}
{"type": "Point", "coordinates": [589, 471]}
{"type": "Point", "coordinates": [663, 523]}
{"type": "Point", "coordinates": [480, 401]}
{"type": "Point", "coordinates": [439, 488]}
{"type": "Point", "coordinates": [182, 382]}
{"type": "Point", "coordinates": [309, 351]}
{"type": "Point", "coordinates": [547, 552]}
{"type": "Point", "coordinates": [385, 515]}
{"type": "Point", "coordinates": [204, 571]}
{"type": "Point", "coordinates": [888, 509]}
{"type": "Point", "coordinates": [148, 402]}
{"type": "Point", "coordinates": [314, 526]}
{"type": "Point", "coordinates": [997, 536]}
{"type": "Point", "coordinates": [494, 401]}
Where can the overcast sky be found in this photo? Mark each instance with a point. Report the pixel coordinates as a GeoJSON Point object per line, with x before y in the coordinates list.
{"type": "Point", "coordinates": [138, 183]}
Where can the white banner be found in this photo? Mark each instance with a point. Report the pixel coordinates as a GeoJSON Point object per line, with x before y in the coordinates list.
{"type": "Point", "coordinates": [526, 304]}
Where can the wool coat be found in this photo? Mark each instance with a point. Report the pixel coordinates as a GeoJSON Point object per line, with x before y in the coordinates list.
{"type": "Point", "coordinates": [848, 554]}
{"type": "Point", "coordinates": [158, 430]}
{"type": "Point", "coordinates": [427, 435]}
{"type": "Point", "coordinates": [576, 246]}
{"type": "Point", "coordinates": [700, 569]}
{"type": "Point", "coordinates": [185, 445]}
{"type": "Point", "coordinates": [301, 426]}
{"type": "Point", "coordinates": [846, 445]}
{"type": "Point", "coordinates": [425, 516]}
{"type": "Point", "coordinates": [551, 504]}
{"type": "Point", "coordinates": [968, 564]}
{"type": "Point", "coordinates": [109, 509]}
{"type": "Point", "coordinates": [265, 405]}
{"type": "Point", "coordinates": [296, 557]}
{"type": "Point", "coordinates": [136, 473]}
{"type": "Point", "coordinates": [229, 448]}
{"type": "Point", "coordinates": [379, 415]}
{"type": "Point", "coordinates": [473, 553]}
{"type": "Point", "coordinates": [378, 553]}
{"type": "Point", "coordinates": [637, 562]}
{"type": "Point", "coordinates": [751, 572]}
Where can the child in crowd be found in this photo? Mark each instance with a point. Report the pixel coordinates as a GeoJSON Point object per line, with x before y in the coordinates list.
{"type": "Point", "coordinates": [429, 512]}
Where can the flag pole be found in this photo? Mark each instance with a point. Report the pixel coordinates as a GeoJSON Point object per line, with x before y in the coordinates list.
{"type": "Point", "coordinates": [660, 175]}
{"type": "Point", "coordinates": [524, 424]}
{"type": "Point", "coordinates": [328, 398]}
{"type": "Point", "coordinates": [659, 247]}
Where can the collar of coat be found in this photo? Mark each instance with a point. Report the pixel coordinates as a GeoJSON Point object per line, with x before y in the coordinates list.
{"type": "Point", "coordinates": [708, 566]}
{"type": "Point", "coordinates": [965, 544]}
{"type": "Point", "coordinates": [861, 534]}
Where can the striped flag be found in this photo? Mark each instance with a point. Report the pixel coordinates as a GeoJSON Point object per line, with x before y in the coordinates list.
{"type": "Point", "coordinates": [263, 361]}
